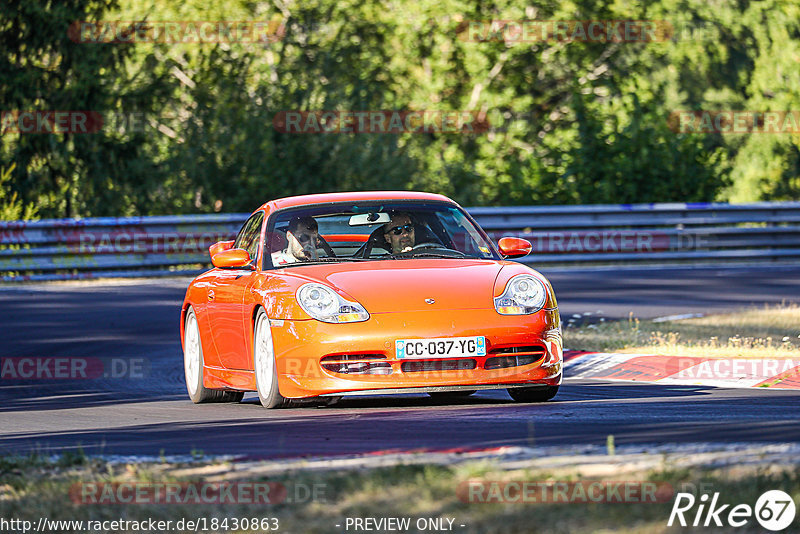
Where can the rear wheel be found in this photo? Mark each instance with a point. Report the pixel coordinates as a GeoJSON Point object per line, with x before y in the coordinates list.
{"type": "Point", "coordinates": [534, 394]}
{"type": "Point", "coordinates": [264, 363]}
{"type": "Point", "coordinates": [193, 367]}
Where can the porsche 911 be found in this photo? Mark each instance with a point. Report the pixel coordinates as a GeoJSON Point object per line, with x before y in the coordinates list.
{"type": "Point", "coordinates": [328, 295]}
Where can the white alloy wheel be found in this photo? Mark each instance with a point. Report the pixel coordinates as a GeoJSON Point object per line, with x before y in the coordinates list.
{"type": "Point", "coordinates": [193, 367]}
{"type": "Point", "coordinates": [264, 363]}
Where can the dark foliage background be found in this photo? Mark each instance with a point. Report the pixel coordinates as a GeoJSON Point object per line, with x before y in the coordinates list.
{"type": "Point", "coordinates": [571, 122]}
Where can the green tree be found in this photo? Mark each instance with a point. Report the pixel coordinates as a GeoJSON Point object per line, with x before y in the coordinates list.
{"type": "Point", "coordinates": [11, 207]}
{"type": "Point", "coordinates": [639, 159]}
{"type": "Point", "coordinates": [569, 121]}
{"type": "Point", "coordinates": [42, 69]}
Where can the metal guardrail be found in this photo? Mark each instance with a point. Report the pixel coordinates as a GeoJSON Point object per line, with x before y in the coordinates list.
{"type": "Point", "coordinates": [58, 249]}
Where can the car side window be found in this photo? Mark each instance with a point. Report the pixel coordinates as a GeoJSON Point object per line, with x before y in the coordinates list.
{"type": "Point", "coordinates": [249, 235]}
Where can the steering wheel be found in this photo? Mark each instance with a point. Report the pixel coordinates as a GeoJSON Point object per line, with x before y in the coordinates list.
{"type": "Point", "coordinates": [424, 246]}
{"type": "Point", "coordinates": [419, 246]}
{"type": "Point", "coordinates": [321, 243]}
{"type": "Point", "coordinates": [374, 240]}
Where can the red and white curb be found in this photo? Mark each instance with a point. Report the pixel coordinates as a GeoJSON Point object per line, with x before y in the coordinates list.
{"type": "Point", "coordinates": [778, 373]}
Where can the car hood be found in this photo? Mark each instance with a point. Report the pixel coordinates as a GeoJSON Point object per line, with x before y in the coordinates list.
{"type": "Point", "coordinates": [404, 285]}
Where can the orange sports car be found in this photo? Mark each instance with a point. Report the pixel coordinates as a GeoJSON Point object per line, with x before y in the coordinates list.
{"type": "Point", "coordinates": [340, 294]}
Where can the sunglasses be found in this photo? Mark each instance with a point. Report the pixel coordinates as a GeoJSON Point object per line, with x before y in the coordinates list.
{"type": "Point", "coordinates": [305, 238]}
{"type": "Point", "coordinates": [397, 230]}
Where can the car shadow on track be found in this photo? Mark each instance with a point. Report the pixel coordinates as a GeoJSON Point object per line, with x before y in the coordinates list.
{"type": "Point", "coordinates": [411, 424]}
{"type": "Point", "coordinates": [415, 400]}
{"type": "Point", "coordinates": [22, 399]}
{"type": "Point", "coordinates": [65, 396]}
{"type": "Point", "coordinates": [576, 390]}
{"type": "Point", "coordinates": [589, 389]}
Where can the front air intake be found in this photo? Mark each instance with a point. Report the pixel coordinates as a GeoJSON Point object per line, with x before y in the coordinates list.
{"type": "Point", "coordinates": [419, 366]}
{"type": "Point", "coordinates": [514, 356]}
{"type": "Point", "coordinates": [356, 364]}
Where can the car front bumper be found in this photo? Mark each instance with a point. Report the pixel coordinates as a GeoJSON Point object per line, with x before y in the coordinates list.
{"type": "Point", "coordinates": [302, 346]}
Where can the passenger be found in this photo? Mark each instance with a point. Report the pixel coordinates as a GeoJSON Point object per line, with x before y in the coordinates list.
{"type": "Point", "coordinates": [399, 233]}
{"type": "Point", "coordinates": [303, 239]}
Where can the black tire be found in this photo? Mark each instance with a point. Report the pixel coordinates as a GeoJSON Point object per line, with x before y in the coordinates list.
{"type": "Point", "coordinates": [534, 394]}
{"type": "Point", "coordinates": [330, 401]}
{"type": "Point", "coordinates": [230, 396]}
{"type": "Point", "coordinates": [264, 368]}
{"type": "Point", "coordinates": [193, 356]}
{"type": "Point", "coordinates": [451, 395]}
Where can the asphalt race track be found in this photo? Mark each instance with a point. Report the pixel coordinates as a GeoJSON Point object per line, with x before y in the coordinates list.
{"type": "Point", "coordinates": [136, 321]}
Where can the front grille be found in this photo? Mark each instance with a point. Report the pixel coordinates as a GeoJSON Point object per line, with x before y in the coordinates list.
{"type": "Point", "coordinates": [514, 356]}
{"type": "Point", "coordinates": [500, 362]}
{"type": "Point", "coordinates": [356, 364]}
{"type": "Point", "coordinates": [524, 349]}
{"type": "Point", "coordinates": [417, 366]}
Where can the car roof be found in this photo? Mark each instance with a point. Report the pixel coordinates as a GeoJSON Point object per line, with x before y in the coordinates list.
{"type": "Point", "coordinates": [361, 196]}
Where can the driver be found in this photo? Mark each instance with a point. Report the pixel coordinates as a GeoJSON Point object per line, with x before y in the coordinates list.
{"type": "Point", "coordinates": [399, 233]}
{"type": "Point", "coordinates": [303, 240]}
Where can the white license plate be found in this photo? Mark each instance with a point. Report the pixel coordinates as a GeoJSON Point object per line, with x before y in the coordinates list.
{"type": "Point", "coordinates": [442, 347]}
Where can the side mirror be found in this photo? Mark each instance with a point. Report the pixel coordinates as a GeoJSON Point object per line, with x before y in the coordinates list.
{"type": "Point", "coordinates": [231, 258]}
{"type": "Point", "coordinates": [514, 247]}
{"type": "Point", "coordinates": [218, 247]}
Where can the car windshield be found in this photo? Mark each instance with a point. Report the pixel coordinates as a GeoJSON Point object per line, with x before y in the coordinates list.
{"type": "Point", "coordinates": [368, 231]}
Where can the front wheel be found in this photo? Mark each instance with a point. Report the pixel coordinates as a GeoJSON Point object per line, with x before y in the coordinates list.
{"type": "Point", "coordinates": [264, 363]}
{"type": "Point", "coordinates": [534, 394]}
{"type": "Point", "coordinates": [193, 367]}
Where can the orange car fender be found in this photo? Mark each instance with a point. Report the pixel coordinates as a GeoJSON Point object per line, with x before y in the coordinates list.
{"type": "Point", "coordinates": [511, 269]}
{"type": "Point", "coordinates": [550, 315]}
{"type": "Point", "coordinates": [197, 298]}
{"type": "Point", "coordinates": [275, 292]}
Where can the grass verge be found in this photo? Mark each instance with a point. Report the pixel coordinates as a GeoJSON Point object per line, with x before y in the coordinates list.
{"type": "Point", "coordinates": [771, 331]}
{"type": "Point", "coordinates": [31, 488]}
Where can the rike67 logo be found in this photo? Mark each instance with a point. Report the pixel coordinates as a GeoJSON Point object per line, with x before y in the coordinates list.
{"type": "Point", "coordinates": [774, 510]}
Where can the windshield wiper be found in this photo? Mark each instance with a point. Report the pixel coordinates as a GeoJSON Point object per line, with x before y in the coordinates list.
{"type": "Point", "coordinates": [329, 260]}
{"type": "Point", "coordinates": [452, 254]}
{"type": "Point", "coordinates": [319, 260]}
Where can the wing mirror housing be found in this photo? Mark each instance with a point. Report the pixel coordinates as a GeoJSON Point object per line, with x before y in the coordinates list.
{"type": "Point", "coordinates": [219, 247]}
{"type": "Point", "coordinates": [514, 247]}
{"type": "Point", "coordinates": [231, 259]}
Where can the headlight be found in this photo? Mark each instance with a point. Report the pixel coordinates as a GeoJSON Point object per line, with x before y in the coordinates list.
{"type": "Point", "coordinates": [324, 304]}
{"type": "Point", "coordinates": [524, 294]}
